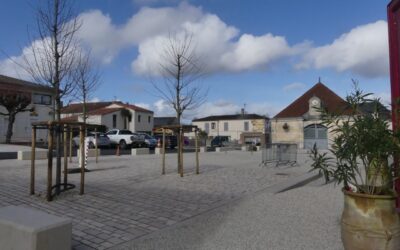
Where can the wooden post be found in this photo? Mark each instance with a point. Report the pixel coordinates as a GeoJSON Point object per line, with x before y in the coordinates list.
{"type": "Point", "coordinates": [181, 150]}
{"type": "Point", "coordinates": [163, 151]}
{"type": "Point", "coordinates": [95, 145]}
{"type": "Point", "coordinates": [82, 152]}
{"type": "Point", "coordinates": [66, 130]}
{"type": "Point", "coordinates": [197, 151]}
{"type": "Point", "coordinates": [33, 155]}
{"type": "Point", "coordinates": [50, 163]}
{"type": "Point", "coordinates": [70, 144]}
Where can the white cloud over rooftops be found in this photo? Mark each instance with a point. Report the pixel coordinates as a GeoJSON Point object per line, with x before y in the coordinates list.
{"type": "Point", "coordinates": [363, 50]}
{"type": "Point", "coordinates": [221, 47]}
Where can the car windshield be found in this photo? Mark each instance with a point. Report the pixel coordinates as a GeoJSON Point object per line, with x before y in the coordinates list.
{"type": "Point", "coordinates": [148, 136]}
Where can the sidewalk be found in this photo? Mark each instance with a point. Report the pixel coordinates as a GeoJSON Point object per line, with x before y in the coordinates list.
{"type": "Point", "coordinates": [305, 218]}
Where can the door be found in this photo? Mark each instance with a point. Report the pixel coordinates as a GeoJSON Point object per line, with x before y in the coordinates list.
{"type": "Point", "coordinates": [316, 134]}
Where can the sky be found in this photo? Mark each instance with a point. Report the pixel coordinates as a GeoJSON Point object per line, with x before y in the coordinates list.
{"type": "Point", "coordinates": [260, 54]}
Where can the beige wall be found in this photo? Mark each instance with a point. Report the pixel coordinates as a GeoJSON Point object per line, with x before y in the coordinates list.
{"type": "Point", "coordinates": [235, 127]}
{"type": "Point", "coordinates": [295, 133]}
{"type": "Point", "coordinates": [144, 125]}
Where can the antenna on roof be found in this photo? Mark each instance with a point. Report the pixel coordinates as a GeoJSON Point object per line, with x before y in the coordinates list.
{"type": "Point", "coordinates": [319, 79]}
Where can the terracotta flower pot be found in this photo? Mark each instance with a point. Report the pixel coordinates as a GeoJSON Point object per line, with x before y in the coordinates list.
{"type": "Point", "coordinates": [370, 222]}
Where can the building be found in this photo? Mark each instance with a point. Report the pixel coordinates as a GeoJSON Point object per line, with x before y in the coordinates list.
{"type": "Point", "coordinates": [112, 115]}
{"type": "Point", "coordinates": [300, 122]}
{"type": "Point", "coordinates": [42, 100]}
{"type": "Point", "coordinates": [239, 127]}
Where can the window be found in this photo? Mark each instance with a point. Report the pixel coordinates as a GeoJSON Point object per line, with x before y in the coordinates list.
{"type": "Point", "coordinates": [138, 118]}
{"type": "Point", "coordinates": [246, 126]}
{"type": "Point", "coordinates": [41, 99]}
{"type": "Point", "coordinates": [114, 121]}
{"type": "Point", "coordinates": [125, 132]}
{"type": "Point", "coordinates": [149, 119]}
{"type": "Point", "coordinates": [213, 125]}
{"type": "Point", "coordinates": [226, 126]}
{"type": "Point", "coordinates": [207, 127]}
{"type": "Point", "coordinates": [111, 132]}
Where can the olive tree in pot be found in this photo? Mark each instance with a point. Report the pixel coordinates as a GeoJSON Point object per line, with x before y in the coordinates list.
{"type": "Point", "coordinates": [361, 158]}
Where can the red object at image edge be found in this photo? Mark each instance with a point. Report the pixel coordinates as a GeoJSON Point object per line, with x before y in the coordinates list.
{"type": "Point", "coordinates": [393, 12]}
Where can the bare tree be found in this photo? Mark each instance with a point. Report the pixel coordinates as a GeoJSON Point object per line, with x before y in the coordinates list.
{"type": "Point", "coordinates": [54, 54]}
{"type": "Point", "coordinates": [52, 59]}
{"type": "Point", "coordinates": [87, 78]}
{"type": "Point", "coordinates": [180, 70]}
{"type": "Point", "coordinates": [14, 102]}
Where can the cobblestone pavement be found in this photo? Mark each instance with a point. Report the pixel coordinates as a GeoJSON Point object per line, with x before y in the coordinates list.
{"type": "Point", "coordinates": [126, 197]}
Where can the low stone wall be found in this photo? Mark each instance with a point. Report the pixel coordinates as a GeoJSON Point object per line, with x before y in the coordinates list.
{"type": "Point", "coordinates": [140, 151]}
{"type": "Point", "coordinates": [29, 229]}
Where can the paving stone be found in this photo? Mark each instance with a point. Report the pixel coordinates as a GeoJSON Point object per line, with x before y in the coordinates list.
{"type": "Point", "coordinates": [126, 198]}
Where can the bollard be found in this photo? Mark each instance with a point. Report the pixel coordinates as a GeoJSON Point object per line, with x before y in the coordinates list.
{"type": "Point", "coordinates": [117, 153]}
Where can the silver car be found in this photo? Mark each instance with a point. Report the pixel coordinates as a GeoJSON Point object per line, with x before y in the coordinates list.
{"type": "Point", "coordinates": [102, 140]}
{"type": "Point", "coordinates": [149, 140]}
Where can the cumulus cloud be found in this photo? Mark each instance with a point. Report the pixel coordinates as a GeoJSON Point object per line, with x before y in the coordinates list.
{"type": "Point", "coordinates": [363, 50]}
{"type": "Point", "coordinates": [294, 86]}
{"type": "Point", "coordinates": [19, 66]}
{"type": "Point", "coordinates": [385, 98]}
{"type": "Point", "coordinates": [220, 45]}
{"type": "Point", "coordinates": [219, 107]}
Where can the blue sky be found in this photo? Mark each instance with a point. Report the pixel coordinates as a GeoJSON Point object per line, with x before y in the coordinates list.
{"type": "Point", "coordinates": [263, 53]}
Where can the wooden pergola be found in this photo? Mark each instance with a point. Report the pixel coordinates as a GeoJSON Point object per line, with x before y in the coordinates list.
{"type": "Point", "coordinates": [67, 128]}
{"type": "Point", "coordinates": [180, 130]}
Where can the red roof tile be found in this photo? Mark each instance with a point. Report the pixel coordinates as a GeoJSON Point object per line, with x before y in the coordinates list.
{"type": "Point", "coordinates": [78, 107]}
{"type": "Point", "coordinates": [330, 100]}
{"type": "Point", "coordinates": [73, 118]}
{"type": "Point", "coordinates": [104, 111]}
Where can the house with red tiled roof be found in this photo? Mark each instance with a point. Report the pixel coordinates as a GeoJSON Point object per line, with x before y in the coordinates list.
{"type": "Point", "coordinates": [300, 122]}
{"type": "Point", "coordinates": [112, 115]}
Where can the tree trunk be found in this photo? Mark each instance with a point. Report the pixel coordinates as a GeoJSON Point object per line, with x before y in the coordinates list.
{"type": "Point", "coordinates": [11, 120]}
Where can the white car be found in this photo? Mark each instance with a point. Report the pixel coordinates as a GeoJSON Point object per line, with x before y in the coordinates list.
{"type": "Point", "coordinates": [102, 140]}
{"type": "Point", "coordinates": [125, 138]}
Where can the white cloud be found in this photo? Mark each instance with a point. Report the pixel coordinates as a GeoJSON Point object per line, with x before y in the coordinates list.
{"type": "Point", "coordinates": [95, 99]}
{"type": "Point", "coordinates": [143, 105]}
{"type": "Point", "coordinates": [152, 2]}
{"type": "Point", "coordinates": [219, 47]}
{"type": "Point", "coordinates": [106, 39]}
{"type": "Point", "coordinates": [294, 86]}
{"type": "Point", "coordinates": [220, 107]}
{"type": "Point", "coordinates": [162, 108]}
{"type": "Point", "coordinates": [363, 50]}
{"type": "Point", "coordinates": [223, 107]}
{"type": "Point", "coordinates": [32, 55]}
{"type": "Point", "coordinates": [385, 98]}
{"type": "Point", "coordinates": [219, 44]}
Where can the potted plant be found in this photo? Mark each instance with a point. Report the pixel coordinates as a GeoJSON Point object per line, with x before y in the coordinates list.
{"type": "Point", "coordinates": [361, 158]}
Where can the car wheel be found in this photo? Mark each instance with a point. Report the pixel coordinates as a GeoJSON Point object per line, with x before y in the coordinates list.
{"type": "Point", "coordinates": [91, 145]}
{"type": "Point", "coordinates": [122, 144]}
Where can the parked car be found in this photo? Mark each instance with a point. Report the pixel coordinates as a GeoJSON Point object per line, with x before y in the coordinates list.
{"type": "Point", "coordinates": [220, 141]}
{"type": "Point", "coordinates": [125, 138]}
{"type": "Point", "coordinates": [170, 140]}
{"type": "Point", "coordinates": [102, 140]}
{"type": "Point", "coordinates": [149, 140]}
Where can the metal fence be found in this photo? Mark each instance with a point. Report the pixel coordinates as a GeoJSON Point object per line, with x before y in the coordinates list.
{"type": "Point", "coordinates": [279, 154]}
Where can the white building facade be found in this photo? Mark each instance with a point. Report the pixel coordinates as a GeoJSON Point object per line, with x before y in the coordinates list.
{"type": "Point", "coordinates": [113, 115]}
{"type": "Point", "coordinates": [236, 127]}
{"type": "Point", "coordinates": [40, 109]}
